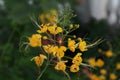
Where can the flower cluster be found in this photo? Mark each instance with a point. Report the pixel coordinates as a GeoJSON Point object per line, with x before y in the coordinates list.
{"type": "Point", "coordinates": [106, 70]}
{"type": "Point", "coordinates": [54, 40]}
{"type": "Point", "coordinates": [96, 63]}
{"type": "Point", "coordinates": [77, 60]}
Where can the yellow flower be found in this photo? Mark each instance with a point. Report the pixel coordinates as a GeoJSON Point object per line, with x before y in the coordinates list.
{"type": "Point", "coordinates": [51, 29]}
{"type": "Point", "coordinates": [118, 66]}
{"type": "Point", "coordinates": [49, 17]}
{"type": "Point", "coordinates": [82, 45]}
{"type": "Point", "coordinates": [92, 62]}
{"type": "Point", "coordinates": [39, 59]}
{"type": "Point", "coordinates": [42, 18]}
{"type": "Point", "coordinates": [54, 16]}
{"type": "Point", "coordinates": [94, 77]}
{"type": "Point", "coordinates": [58, 30]}
{"type": "Point", "coordinates": [60, 66]}
{"type": "Point", "coordinates": [59, 51]}
{"type": "Point", "coordinates": [54, 12]}
{"type": "Point", "coordinates": [54, 29]}
{"type": "Point", "coordinates": [71, 45]}
{"type": "Point", "coordinates": [100, 63]}
{"type": "Point", "coordinates": [103, 71]}
{"type": "Point", "coordinates": [102, 77]}
{"type": "Point", "coordinates": [48, 49]}
{"type": "Point", "coordinates": [74, 68]}
{"type": "Point", "coordinates": [77, 59]}
{"type": "Point", "coordinates": [113, 76]}
{"type": "Point", "coordinates": [35, 40]}
{"type": "Point", "coordinates": [109, 53]}
{"type": "Point", "coordinates": [43, 29]}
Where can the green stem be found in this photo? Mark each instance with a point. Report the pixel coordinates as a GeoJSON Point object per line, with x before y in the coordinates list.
{"type": "Point", "coordinates": [83, 64]}
{"type": "Point", "coordinates": [95, 43]}
{"type": "Point", "coordinates": [68, 57]}
{"type": "Point", "coordinates": [38, 78]}
{"type": "Point", "coordinates": [42, 72]}
{"type": "Point", "coordinates": [67, 75]}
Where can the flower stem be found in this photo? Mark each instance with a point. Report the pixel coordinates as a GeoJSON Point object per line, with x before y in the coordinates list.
{"type": "Point", "coordinates": [67, 75]}
{"type": "Point", "coordinates": [38, 78]}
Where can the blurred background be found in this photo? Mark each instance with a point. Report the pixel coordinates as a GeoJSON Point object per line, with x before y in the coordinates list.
{"type": "Point", "coordinates": [97, 19]}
